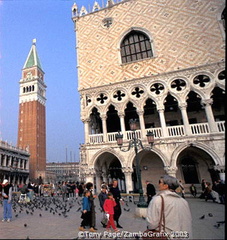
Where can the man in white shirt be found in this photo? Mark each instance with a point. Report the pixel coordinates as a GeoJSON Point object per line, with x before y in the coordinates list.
{"type": "Point", "coordinates": [178, 220]}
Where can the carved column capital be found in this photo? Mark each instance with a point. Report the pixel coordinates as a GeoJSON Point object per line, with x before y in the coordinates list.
{"type": "Point", "coordinates": [85, 120]}
{"type": "Point", "coordinates": [207, 101]}
{"type": "Point", "coordinates": [121, 114]}
{"type": "Point", "coordinates": [160, 109]}
{"type": "Point", "coordinates": [127, 170]}
{"type": "Point", "coordinates": [89, 172]}
{"type": "Point", "coordinates": [140, 112]}
{"type": "Point", "coordinates": [183, 106]}
{"type": "Point", "coordinates": [170, 170]}
{"type": "Point", "coordinates": [219, 168]}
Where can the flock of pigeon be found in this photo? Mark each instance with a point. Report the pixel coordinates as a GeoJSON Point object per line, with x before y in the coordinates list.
{"type": "Point", "coordinates": [53, 205]}
{"type": "Point", "coordinates": [58, 207]}
{"type": "Point", "coordinates": [218, 223]}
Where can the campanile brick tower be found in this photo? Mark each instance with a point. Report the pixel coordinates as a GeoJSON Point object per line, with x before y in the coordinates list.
{"type": "Point", "coordinates": [32, 114]}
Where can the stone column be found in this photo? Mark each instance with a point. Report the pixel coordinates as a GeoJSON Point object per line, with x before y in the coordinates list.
{"type": "Point", "coordinates": [105, 178]}
{"type": "Point", "coordinates": [128, 179]}
{"type": "Point", "coordinates": [27, 180]}
{"type": "Point", "coordinates": [162, 121]}
{"type": "Point", "coordinates": [184, 114]}
{"type": "Point", "coordinates": [104, 127]}
{"type": "Point", "coordinates": [122, 122]}
{"type": "Point", "coordinates": [171, 170]}
{"type": "Point", "coordinates": [4, 160]}
{"type": "Point", "coordinates": [209, 114]}
{"type": "Point", "coordinates": [14, 179]}
{"type": "Point", "coordinates": [89, 175]}
{"type": "Point", "coordinates": [86, 130]}
{"type": "Point", "coordinates": [142, 124]}
{"type": "Point", "coordinates": [221, 170]}
{"type": "Point", "coordinates": [89, 178]}
{"type": "Point", "coordinates": [10, 161]}
{"type": "Point", "coordinates": [98, 182]}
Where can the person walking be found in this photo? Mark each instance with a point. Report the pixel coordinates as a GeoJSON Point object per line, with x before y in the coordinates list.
{"type": "Point", "coordinates": [180, 189]}
{"type": "Point", "coordinates": [64, 191]}
{"type": "Point", "coordinates": [150, 191]}
{"type": "Point", "coordinates": [117, 196]}
{"type": "Point", "coordinates": [7, 201]}
{"type": "Point", "coordinates": [81, 189]}
{"type": "Point", "coordinates": [89, 187]}
{"type": "Point", "coordinates": [203, 184]}
{"type": "Point", "coordinates": [102, 197]}
{"type": "Point", "coordinates": [177, 213]}
{"type": "Point", "coordinates": [86, 212]}
{"type": "Point", "coordinates": [221, 191]}
{"type": "Point", "coordinates": [193, 190]}
{"type": "Point", "coordinates": [108, 207]}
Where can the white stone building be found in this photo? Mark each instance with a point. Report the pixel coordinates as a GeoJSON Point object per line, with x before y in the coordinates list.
{"type": "Point", "coordinates": [161, 62]}
{"type": "Point", "coordinates": [62, 171]}
{"type": "Point", "coordinates": [14, 164]}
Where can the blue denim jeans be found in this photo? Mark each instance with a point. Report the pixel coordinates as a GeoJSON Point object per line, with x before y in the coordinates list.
{"type": "Point", "coordinates": [7, 209]}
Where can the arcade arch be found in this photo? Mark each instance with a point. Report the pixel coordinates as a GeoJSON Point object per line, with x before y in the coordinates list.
{"type": "Point", "coordinates": [108, 167]}
{"type": "Point", "coordinates": [195, 164]}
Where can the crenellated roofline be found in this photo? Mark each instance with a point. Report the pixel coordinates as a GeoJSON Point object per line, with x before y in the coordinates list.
{"type": "Point", "coordinates": [96, 7]}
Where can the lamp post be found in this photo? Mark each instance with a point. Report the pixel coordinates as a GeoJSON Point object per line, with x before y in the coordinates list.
{"type": "Point", "coordinates": [136, 143]}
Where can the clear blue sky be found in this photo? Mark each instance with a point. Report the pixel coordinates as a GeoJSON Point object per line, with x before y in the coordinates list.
{"type": "Point", "coordinates": [49, 21]}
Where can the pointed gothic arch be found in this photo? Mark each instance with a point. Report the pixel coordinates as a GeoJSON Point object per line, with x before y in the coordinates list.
{"type": "Point", "coordinates": [218, 106]}
{"type": "Point", "coordinates": [112, 120]}
{"type": "Point", "coordinates": [130, 113]}
{"type": "Point", "coordinates": [95, 121]}
{"type": "Point", "coordinates": [151, 116]}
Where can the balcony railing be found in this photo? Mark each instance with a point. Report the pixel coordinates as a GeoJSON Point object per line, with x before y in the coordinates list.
{"type": "Point", "coordinates": [175, 131]}
{"type": "Point", "coordinates": [200, 128]}
{"type": "Point", "coordinates": [172, 131]}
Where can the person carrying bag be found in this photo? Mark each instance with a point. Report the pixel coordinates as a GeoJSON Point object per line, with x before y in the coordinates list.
{"type": "Point", "coordinates": [158, 233]}
{"type": "Point", "coordinates": [169, 213]}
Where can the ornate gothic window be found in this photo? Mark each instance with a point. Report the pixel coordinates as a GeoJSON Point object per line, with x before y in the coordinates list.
{"type": "Point", "coordinates": [119, 95]}
{"type": "Point", "coordinates": [221, 75]}
{"type": "Point", "coordinates": [201, 80]}
{"type": "Point", "coordinates": [178, 84]}
{"type": "Point", "coordinates": [157, 88]}
{"type": "Point", "coordinates": [88, 100]}
{"type": "Point", "coordinates": [137, 92]}
{"type": "Point", "coordinates": [102, 98]}
{"type": "Point", "coordinates": [223, 17]}
{"type": "Point", "coordinates": [135, 46]}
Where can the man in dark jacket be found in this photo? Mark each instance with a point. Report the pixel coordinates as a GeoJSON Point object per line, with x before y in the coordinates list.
{"type": "Point", "coordinates": [117, 196]}
{"type": "Point", "coordinates": [102, 197]}
{"type": "Point", "coordinates": [150, 191]}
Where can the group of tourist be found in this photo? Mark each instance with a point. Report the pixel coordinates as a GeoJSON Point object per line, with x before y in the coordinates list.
{"type": "Point", "coordinates": [215, 192]}
{"type": "Point", "coordinates": [166, 201]}
{"type": "Point", "coordinates": [110, 202]}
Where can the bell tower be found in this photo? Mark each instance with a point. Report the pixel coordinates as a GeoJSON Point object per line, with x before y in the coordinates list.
{"type": "Point", "coordinates": [32, 114]}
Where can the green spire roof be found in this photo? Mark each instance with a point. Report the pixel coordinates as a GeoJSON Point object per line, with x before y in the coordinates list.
{"type": "Point", "coordinates": [32, 59]}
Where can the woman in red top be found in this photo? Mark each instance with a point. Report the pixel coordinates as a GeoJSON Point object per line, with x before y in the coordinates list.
{"type": "Point", "coordinates": [108, 207]}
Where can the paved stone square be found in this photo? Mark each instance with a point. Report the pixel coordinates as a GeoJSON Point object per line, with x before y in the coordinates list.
{"type": "Point", "coordinates": [49, 222]}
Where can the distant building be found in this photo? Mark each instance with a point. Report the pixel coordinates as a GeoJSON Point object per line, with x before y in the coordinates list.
{"type": "Point", "coordinates": [65, 171]}
{"type": "Point", "coordinates": [14, 164]}
{"type": "Point", "coordinates": [162, 63]}
{"type": "Point", "coordinates": [32, 114]}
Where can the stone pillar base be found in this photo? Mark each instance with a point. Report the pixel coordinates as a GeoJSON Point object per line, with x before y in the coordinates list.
{"type": "Point", "coordinates": [140, 212]}
{"type": "Point", "coordinates": [222, 176]}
